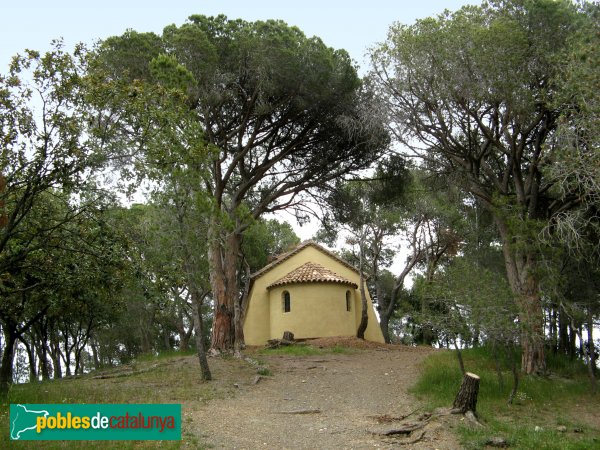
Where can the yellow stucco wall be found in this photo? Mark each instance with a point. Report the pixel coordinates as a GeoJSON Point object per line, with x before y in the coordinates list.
{"type": "Point", "coordinates": [317, 309]}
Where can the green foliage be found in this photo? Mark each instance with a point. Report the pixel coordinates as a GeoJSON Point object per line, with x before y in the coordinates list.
{"type": "Point", "coordinates": [465, 297]}
{"type": "Point", "coordinates": [243, 74]}
{"type": "Point", "coordinates": [156, 293]}
{"type": "Point", "coordinates": [265, 371]}
{"type": "Point", "coordinates": [577, 158]}
{"type": "Point", "coordinates": [267, 238]}
{"type": "Point", "coordinates": [478, 95]}
{"type": "Point", "coordinates": [129, 54]}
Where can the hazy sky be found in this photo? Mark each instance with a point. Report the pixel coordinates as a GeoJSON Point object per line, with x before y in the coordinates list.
{"type": "Point", "coordinates": [353, 25]}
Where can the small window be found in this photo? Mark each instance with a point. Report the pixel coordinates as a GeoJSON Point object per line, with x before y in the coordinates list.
{"type": "Point", "coordinates": [348, 301]}
{"type": "Point", "coordinates": [286, 301]}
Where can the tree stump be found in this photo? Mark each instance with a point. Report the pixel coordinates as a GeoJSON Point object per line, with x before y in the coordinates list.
{"type": "Point", "coordinates": [288, 336]}
{"type": "Point", "coordinates": [466, 399]}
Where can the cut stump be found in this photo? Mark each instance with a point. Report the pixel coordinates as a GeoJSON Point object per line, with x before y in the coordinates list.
{"type": "Point", "coordinates": [466, 398]}
{"type": "Point", "coordinates": [288, 336]}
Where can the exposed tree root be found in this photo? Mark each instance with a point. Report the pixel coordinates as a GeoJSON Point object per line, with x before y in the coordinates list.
{"type": "Point", "coordinates": [412, 441]}
{"type": "Point", "coordinates": [385, 418]}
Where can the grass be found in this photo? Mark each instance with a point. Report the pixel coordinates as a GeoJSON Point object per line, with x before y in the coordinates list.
{"type": "Point", "coordinates": [305, 350]}
{"type": "Point", "coordinates": [173, 378]}
{"type": "Point", "coordinates": [165, 354]}
{"type": "Point", "coordinates": [540, 407]}
{"type": "Point", "coordinates": [265, 371]}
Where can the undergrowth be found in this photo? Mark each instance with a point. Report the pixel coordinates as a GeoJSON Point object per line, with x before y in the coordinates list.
{"type": "Point", "coordinates": [543, 405]}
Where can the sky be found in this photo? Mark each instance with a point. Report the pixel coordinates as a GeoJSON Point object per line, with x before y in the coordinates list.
{"type": "Point", "coordinates": [349, 24]}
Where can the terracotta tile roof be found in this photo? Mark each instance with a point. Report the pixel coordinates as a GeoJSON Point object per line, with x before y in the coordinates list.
{"type": "Point", "coordinates": [311, 273]}
{"type": "Point", "coordinates": [281, 258]}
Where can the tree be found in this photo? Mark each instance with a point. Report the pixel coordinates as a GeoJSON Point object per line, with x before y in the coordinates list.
{"type": "Point", "coordinates": [472, 95]}
{"type": "Point", "coordinates": [577, 167]}
{"type": "Point", "coordinates": [352, 209]}
{"type": "Point", "coordinates": [63, 290]}
{"type": "Point", "coordinates": [427, 222]}
{"type": "Point", "coordinates": [366, 213]}
{"type": "Point", "coordinates": [47, 182]}
{"type": "Point", "coordinates": [472, 303]}
{"type": "Point", "coordinates": [283, 114]}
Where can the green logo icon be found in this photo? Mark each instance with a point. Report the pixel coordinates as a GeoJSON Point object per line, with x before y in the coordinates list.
{"type": "Point", "coordinates": [95, 422]}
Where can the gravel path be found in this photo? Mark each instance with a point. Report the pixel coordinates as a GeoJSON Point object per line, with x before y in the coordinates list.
{"type": "Point", "coordinates": [328, 401]}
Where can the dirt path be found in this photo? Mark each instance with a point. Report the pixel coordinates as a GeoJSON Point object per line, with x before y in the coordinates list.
{"type": "Point", "coordinates": [343, 393]}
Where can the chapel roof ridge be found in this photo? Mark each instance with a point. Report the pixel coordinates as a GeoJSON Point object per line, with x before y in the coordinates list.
{"type": "Point", "coordinates": [310, 272]}
{"type": "Point", "coordinates": [284, 256]}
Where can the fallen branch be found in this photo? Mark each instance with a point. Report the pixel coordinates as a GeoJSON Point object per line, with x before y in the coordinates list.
{"type": "Point", "coordinates": [300, 411]}
{"type": "Point", "coordinates": [113, 375]}
{"type": "Point", "coordinates": [276, 343]}
{"type": "Point", "coordinates": [127, 373]}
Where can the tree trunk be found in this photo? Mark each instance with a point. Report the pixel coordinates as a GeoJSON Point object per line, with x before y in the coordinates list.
{"type": "Point", "coordinates": [385, 327]}
{"type": "Point", "coordinates": [416, 256]}
{"type": "Point", "coordinates": [459, 356]}
{"type": "Point", "coordinates": [572, 340]}
{"type": "Point", "coordinates": [197, 312]}
{"type": "Point", "coordinates": [563, 332]}
{"type": "Point", "coordinates": [588, 357]}
{"type": "Point", "coordinates": [221, 338]}
{"type": "Point", "coordinates": [522, 277]}
{"type": "Point", "coordinates": [515, 372]}
{"type": "Point", "coordinates": [497, 365]}
{"type": "Point", "coordinates": [67, 354]}
{"type": "Point", "coordinates": [426, 329]}
{"type": "Point", "coordinates": [30, 349]}
{"type": "Point", "coordinates": [466, 398]}
{"type": "Point", "coordinates": [476, 334]}
{"type": "Point", "coordinates": [590, 336]}
{"type": "Point", "coordinates": [94, 347]}
{"type": "Point", "coordinates": [145, 337]}
{"type": "Point", "coordinates": [241, 308]}
{"type": "Point", "coordinates": [197, 298]}
{"type": "Point", "coordinates": [55, 354]}
{"type": "Point", "coordinates": [166, 337]}
{"type": "Point", "coordinates": [184, 339]}
{"type": "Point", "coordinates": [223, 262]}
{"type": "Point", "coordinates": [553, 330]}
{"type": "Point", "coordinates": [6, 367]}
{"type": "Point", "coordinates": [364, 316]}
{"type": "Point", "coordinates": [184, 335]}
{"type": "Point", "coordinates": [533, 359]}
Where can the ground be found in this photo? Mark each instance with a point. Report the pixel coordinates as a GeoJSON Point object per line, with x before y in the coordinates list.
{"type": "Point", "coordinates": [348, 390]}
{"type": "Point", "coordinates": [327, 401]}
